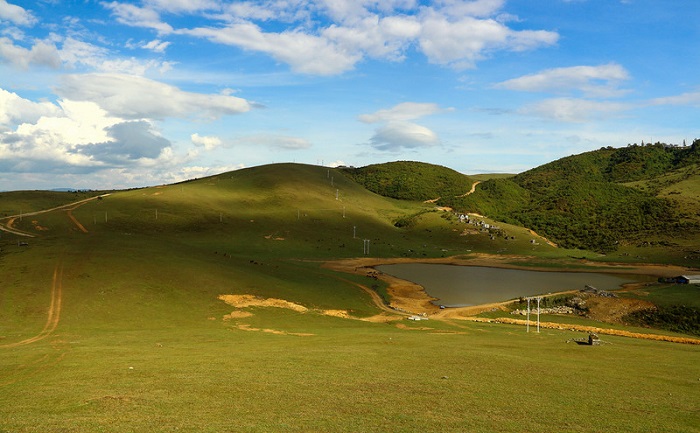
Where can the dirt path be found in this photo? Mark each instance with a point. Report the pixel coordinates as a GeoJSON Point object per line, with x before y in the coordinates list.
{"type": "Point", "coordinates": [471, 191]}
{"type": "Point", "coordinates": [54, 313]}
{"type": "Point", "coordinates": [77, 223]}
{"type": "Point", "coordinates": [7, 227]}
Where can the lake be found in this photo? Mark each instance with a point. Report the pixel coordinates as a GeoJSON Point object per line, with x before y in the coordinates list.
{"type": "Point", "coordinates": [461, 286]}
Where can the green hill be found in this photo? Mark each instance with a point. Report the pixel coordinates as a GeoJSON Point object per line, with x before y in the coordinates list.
{"type": "Point", "coordinates": [605, 200]}
{"type": "Point", "coordinates": [408, 180]}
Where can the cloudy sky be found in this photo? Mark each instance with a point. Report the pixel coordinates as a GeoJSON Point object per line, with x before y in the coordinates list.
{"type": "Point", "coordinates": [114, 94]}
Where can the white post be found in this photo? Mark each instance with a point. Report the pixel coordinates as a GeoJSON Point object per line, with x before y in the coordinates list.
{"type": "Point", "coordinates": [354, 232]}
{"type": "Point", "coordinates": [528, 315]}
{"type": "Point", "coordinates": [538, 313]}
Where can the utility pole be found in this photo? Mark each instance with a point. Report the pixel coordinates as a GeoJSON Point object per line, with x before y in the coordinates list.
{"type": "Point", "coordinates": [528, 315]}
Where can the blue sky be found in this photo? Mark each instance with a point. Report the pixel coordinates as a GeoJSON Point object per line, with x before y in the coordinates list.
{"type": "Point", "coordinates": [115, 94]}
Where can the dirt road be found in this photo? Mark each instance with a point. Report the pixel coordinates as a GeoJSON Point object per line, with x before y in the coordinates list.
{"type": "Point", "coordinates": [7, 227]}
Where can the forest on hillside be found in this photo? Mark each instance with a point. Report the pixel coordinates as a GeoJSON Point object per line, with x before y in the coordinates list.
{"type": "Point", "coordinates": [597, 200]}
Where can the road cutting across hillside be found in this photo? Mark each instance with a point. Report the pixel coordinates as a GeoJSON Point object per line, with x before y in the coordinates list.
{"type": "Point", "coordinates": [8, 226]}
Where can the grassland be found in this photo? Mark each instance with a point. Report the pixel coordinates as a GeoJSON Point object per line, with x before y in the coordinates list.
{"type": "Point", "coordinates": [133, 335]}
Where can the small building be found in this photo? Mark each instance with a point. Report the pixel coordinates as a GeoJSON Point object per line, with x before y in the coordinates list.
{"type": "Point", "coordinates": [688, 279]}
{"type": "Point", "coordinates": [593, 339]}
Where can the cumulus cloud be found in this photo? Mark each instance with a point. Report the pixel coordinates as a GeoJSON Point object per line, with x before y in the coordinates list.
{"type": "Point", "coordinates": [134, 97]}
{"type": "Point", "coordinates": [594, 81]}
{"type": "Point", "coordinates": [304, 52]}
{"type": "Point", "coordinates": [41, 53]}
{"type": "Point", "coordinates": [80, 137]}
{"type": "Point", "coordinates": [207, 142]}
{"type": "Point", "coordinates": [16, 14]}
{"type": "Point", "coordinates": [449, 32]}
{"type": "Point", "coordinates": [397, 135]}
{"type": "Point", "coordinates": [573, 109]}
{"type": "Point", "coordinates": [128, 141]}
{"type": "Point", "coordinates": [461, 43]}
{"type": "Point", "coordinates": [15, 110]}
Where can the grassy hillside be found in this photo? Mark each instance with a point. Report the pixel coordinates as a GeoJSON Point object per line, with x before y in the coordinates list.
{"type": "Point", "coordinates": [606, 200]}
{"type": "Point", "coordinates": [110, 320]}
{"type": "Point", "coordinates": [408, 180]}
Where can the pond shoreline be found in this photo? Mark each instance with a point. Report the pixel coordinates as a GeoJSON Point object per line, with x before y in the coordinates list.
{"type": "Point", "coordinates": [410, 297]}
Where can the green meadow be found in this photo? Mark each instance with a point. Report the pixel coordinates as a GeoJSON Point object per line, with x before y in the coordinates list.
{"type": "Point", "coordinates": [118, 327]}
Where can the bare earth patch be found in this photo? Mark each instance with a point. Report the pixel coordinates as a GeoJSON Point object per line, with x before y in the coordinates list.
{"type": "Point", "coordinates": [244, 301]}
{"type": "Point", "coordinates": [244, 327]}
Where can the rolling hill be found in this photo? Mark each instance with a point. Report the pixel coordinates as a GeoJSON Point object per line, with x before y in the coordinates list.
{"type": "Point", "coordinates": [626, 199]}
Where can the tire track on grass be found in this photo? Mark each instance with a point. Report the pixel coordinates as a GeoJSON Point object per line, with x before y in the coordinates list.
{"type": "Point", "coordinates": [54, 313]}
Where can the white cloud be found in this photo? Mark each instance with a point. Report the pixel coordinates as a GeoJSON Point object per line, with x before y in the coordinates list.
{"type": "Point", "coordinates": [16, 14]}
{"type": "Point", "coordinates": [690, 98]}
{"type": "Point", "coordinates": [385, 38]}
{"type": "Point", "coordinates": [17, 110]}
{"type": "Point", "coordinates": [41, 53]}
{"type": "Point", "coordinates": [207, 142]}
{"type": "Point", "coordinates": [73, 54]}
{"type": "Point", "coordinates": [275, 141]}
{"type": "Point", "coordinates": [79, 136]}
{"type": "Point", "coordinates": [476, 8]}
{"type": "Point", "coordinates": [179, 6]}
{"type": "Point", "coordinates": [397, 135]}
{"type": "Point", "coordinates": [156, 45]}
{"type": "Point", "coordinates": [134, 97]}
{"type": "Point", "coordinates": [304, 52]}
{"type": "Point", "coordinates": [450, 32]}
{"type": "Point", "coordinates": [403, 111]}
{"type": "Point", "coordinates": [461, 43]}
{"type": "Point", "coordinates": [573, 109]}
{"type": "Point", "coordinates": [135, 16]}
{"type": "Point", "coordinates": [595, 81]}
{"type": "Point", "coordinates": [127, 142]}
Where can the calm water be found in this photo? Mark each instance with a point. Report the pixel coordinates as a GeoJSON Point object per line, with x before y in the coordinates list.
{"type": "Point", "coordinates": [457, 286]}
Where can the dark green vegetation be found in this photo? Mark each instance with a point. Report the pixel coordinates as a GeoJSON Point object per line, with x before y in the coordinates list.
{"type": "Point", "coordinates": [676, 318]}
{"type": "Point", "coordinates": [632, 198]}
{"type": "Point", "coordinates": [407, 180]}
{"type": "Point", "coordinates": [118, 327]}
